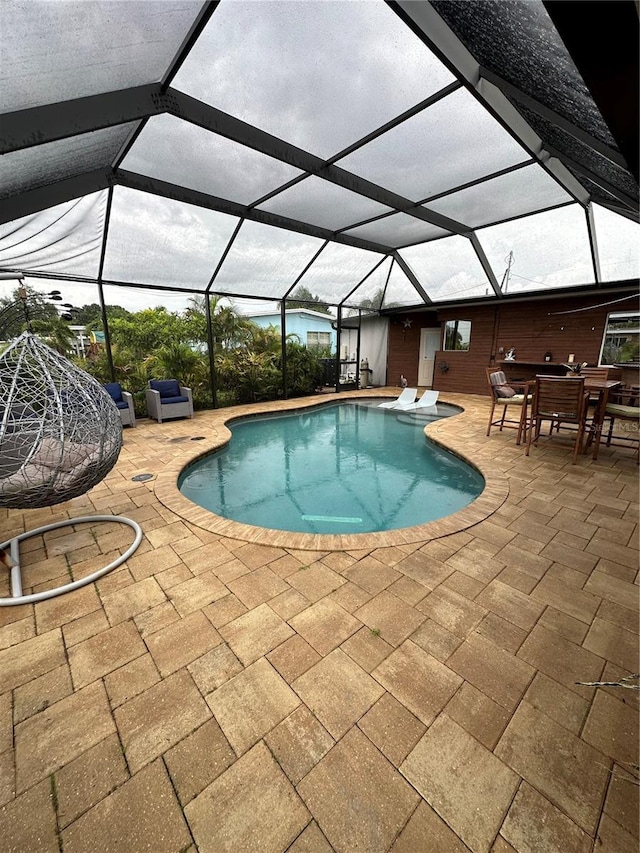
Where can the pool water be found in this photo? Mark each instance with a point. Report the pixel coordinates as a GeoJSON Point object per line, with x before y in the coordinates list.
{"type": "Point", "coordinates": [341, 468]}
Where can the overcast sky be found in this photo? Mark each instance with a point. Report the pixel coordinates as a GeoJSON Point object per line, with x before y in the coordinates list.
{"type": "Point", "coordinates": [320, 75]}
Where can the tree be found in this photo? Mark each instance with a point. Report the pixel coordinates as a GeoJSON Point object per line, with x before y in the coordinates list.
{"type": "Point", "coordinates": [177, 360]}
{"type": "Point", "coordinates": [301, 297]}
{"type": "Point", "coordinates": [147, 330]}
{"type": "Point", "coordinates": [266, 339]}
{"type": "Point", "coordinates": [304, 370]}
{"type": "Point", "coordinates": [55, 332]}
{"type": "Point", "coordinates": [23, 306]}
{"type": "Point", "coordinates": [251, 376]}
{"type": "Point", "coordinates": [230, 329]}
{"type": "Point", "coordinates": [90, 316]}
{"type": "Point", "coordinates": [195, 319]}
{"type": "Point", "coordinates": [374, 301]}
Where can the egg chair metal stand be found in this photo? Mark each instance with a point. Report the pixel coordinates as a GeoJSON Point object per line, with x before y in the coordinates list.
{"type": "Point", "coordinates": [60, 435]}
{"type": "Point", "coordinates": [12, 546]}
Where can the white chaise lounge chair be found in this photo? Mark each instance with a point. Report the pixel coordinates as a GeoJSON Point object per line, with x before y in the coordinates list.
{"type": "Point", "coordinates": [429, 398]}
{"type": "Point", "coordinates": [407, 396]}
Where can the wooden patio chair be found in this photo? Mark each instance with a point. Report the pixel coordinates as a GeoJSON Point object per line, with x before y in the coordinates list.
{"type": "Point", "coordinates": [560, 400]}
{"type": "Point", "coordinates": [623, 406]}
{"type": "Point", "coordinates": [508, 395]}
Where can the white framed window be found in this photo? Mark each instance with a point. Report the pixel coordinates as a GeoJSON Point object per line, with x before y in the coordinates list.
{"type": "Point", "coordinates": [318, 340]}
{"type": "Point", "coordinates": [621, 342]}
{"type": "Point", "coordinates": [457, 335]}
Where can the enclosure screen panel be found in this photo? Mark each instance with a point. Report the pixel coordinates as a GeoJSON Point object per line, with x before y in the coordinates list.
{"type": "Point", "coordinates": [318, 74]}
{"type": "Point", "coordinates": [525, 190]}
{"type": "Point", "coordinates": [181, 153]}
{"type": "Point", "coordinates": [264, 261]}
{"type": "Point", "coordinates": [448, 269]}
{"type": "Point", "coordinates": [153, 240]}
{"type": "Point", "coordinates": [450, 143]}
{"type": "Point", "coordinates": [550, 250]}
{"type": "Point", "coordinates": [618, 240]}
{"type": "Point", "coordinates": [143, 298]}
{"type": "Point", "coordinates": [54, 161]}
{"type": "Point", "coordinates": [337, 270]}
{"type": "Point", "coordinates": [580, 153]}
{"type": "Point", "coordinates": [71, 296]}
{"type": "Point", "coordinates": [400, 290]}
{"type": "Point", "coordinates": [370, 293]}
{"type": "Point", "coordinates": [62, 240]}
{"type": "Point", "coordinates": [83, 48]}
{"type": "Point", "coordinates": [518, 41]}
{"type": "Point", "coordinates": [322, 203]}
{"type": "Point", "coordinates": [399, 229]}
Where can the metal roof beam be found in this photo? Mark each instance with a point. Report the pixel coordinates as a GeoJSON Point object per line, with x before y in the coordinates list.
{"type": "Point", "coordinates": [343, 301]}
{"type": "Point", "coordinates": [188, 108]}
{"type": "Point", "coordinates": [620, 195]}
{"type": "Point", "coordinates": [42, 198]}
{"type": "Point", "coordinates": [513, 93]}
{"type": "Point", "coordinates": [223, 205]}
{"type": "Point", "coordinates": [486, 266]}
{"type": "Point", "coordinates": [427, 24]}
{"type": "Point", "coordinates": [39, 125]}
{"type": "Point", "coordinates": [611, 205]}
{"type": "Point", "coordinates": [406, 269]}
{"type": "Point", "coordinates": [201, 21]}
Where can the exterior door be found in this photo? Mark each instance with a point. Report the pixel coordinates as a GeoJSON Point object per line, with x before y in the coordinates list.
{"type": "Point", "coordinates": [429, 345]}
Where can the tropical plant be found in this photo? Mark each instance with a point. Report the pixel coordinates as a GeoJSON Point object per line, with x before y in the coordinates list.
{"type": "Point", "coordinates": [147, 330]}
{"type": "Point", "coordinates": [55, 332]}
{"type": "Point", "coordinates": [250, 376]}
{"type": "Point", "coordinates": [265, 339]}
{"type": "Point", "coordinates": [305, 372]}
{"type": "Point", "coordinates": [230, 329]}
{"type": "Point", "coordinates": [180, 361]}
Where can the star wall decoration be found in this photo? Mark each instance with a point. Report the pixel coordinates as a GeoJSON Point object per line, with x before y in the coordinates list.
{"type": "Point", "coordinates": [406, 324]}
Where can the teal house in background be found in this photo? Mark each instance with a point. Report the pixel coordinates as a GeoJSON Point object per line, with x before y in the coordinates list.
{"type": "Point", "coordinates": [313, 328]}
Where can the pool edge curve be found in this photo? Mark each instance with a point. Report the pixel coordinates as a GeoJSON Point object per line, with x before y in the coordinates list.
{"type": "Point", "coordinates": [441, 432]}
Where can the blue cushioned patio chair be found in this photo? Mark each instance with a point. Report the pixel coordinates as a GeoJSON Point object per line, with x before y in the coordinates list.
{"type": "Point", "coordinates": [167, 399]}
{"type": "Point", "coordinates": [123, 401]}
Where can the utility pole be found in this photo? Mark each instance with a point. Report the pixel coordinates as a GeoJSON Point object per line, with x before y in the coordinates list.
{"type": "Point", "coordinates": [505, 278]}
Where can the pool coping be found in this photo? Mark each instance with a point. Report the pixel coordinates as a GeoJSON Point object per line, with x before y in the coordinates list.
{"type": "Point", "coordinates": [440, 432]}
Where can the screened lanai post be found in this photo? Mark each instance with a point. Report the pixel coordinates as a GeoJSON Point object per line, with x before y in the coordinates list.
{"type": "Point", "coordinates": [207, 294]}
{"type": "Point", "coordinates": [212, 352]}
{"type": "Point", "coordinates": [358, 349]}
{"type": "Point", "coordinates": [103, 307]}
{"type": "Point", "coordinates": [283, 344]}
{"type": "Point", "coordinates": [338, 325]}
{"type": "Point", "coordinates": [593, 242]}
{"type": "Point", "coordinates": [105, 326]}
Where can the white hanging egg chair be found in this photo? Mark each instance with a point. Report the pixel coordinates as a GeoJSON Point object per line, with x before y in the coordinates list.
{"type": "Point", "coordinates": [60, 435]}
{"type": "Point", "coordinates": [60, 432]}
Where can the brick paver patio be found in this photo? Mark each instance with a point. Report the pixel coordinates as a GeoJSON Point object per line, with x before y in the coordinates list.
{"type": "Point", "coordinates": [233, 689]}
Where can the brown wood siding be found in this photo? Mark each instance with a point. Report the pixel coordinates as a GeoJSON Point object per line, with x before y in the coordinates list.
{"type": "Point", "coordinates": [404, 346]}
{"type": "Point", "coordinates": [533, 328]}
{"type": "Point", "coordinates": [466, 370]}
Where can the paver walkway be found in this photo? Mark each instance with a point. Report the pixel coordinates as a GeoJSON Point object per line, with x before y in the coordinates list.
{"type": "Point", "coordinates": [218, 693]}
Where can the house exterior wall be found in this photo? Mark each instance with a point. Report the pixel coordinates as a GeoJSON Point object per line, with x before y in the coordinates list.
{"type": "Point", "coordinates": [374, 346]}
{"type": "Point", "coordinates": [404, 345]}
{"type": "Point", "coordinates": [560, 326]}
{"type": "Point", "coordinates": [298, 324]}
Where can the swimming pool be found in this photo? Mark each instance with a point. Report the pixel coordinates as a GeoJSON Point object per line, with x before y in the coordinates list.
{"type": "Point", "coordinates": [347, 467]}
